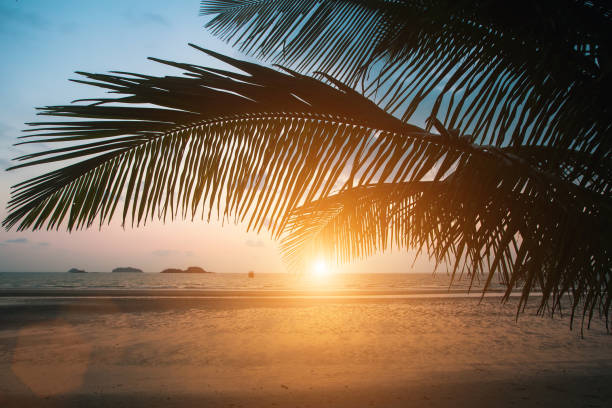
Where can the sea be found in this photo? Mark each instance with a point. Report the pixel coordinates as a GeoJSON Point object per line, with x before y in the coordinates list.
{"type": "Point", "coordinates": [236, 282]}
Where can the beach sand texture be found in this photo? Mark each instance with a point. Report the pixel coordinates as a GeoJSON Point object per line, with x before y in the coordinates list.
{"type": "Point", "coordinates": [302, 352]}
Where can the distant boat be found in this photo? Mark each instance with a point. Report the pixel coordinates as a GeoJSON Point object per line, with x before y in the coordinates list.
{"type": "Point", "coordinates": [75, 270]}
{"type": "Point", "coordinates": [127, 269]}
{"type": "Point", "coordinates": [251, 274]}
{"type": "Point", "coordinates": [191, 269]}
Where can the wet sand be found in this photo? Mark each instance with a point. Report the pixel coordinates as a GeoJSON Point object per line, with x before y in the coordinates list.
{"type": "Point", "coordinates": [156, 350]}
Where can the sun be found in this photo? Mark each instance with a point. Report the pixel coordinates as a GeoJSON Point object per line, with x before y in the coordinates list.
{"type": "Point", "coordinates": [320, 268]}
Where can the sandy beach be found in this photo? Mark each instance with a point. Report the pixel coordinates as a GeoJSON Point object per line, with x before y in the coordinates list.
{"type": "Point", "coordinates": [336, 351]}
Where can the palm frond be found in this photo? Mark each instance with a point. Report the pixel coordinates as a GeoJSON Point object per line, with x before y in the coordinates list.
{"type": "Point", "coordinates": [246, 145]}
{"type": "Point", "coordinates": [526, 73]}
{"type": "Point", "coordinates": [259, 144]}
{"type": "Point", "coordinates": [484, 219]}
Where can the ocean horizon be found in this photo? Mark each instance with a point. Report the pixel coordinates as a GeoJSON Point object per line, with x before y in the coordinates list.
{"type": "Point", "coordinates": [438, 282]}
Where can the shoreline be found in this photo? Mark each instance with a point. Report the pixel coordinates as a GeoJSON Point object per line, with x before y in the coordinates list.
{"type": "Point", "coordinates": [248, 293]}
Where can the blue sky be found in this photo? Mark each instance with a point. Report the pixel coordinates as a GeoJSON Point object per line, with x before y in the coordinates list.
{"type": "Point", "coordinates": [42, 43]}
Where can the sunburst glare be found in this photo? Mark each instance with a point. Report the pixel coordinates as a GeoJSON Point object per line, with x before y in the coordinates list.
{"type": "Point", "coordinates": [320, 268]}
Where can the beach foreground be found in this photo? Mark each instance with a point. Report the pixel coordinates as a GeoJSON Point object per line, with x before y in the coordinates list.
{"type": "Point", "coordinates": [140, 351]}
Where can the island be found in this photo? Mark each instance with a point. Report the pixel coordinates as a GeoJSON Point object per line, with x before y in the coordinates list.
{"type": "Point", "coordinates": [172, 270]}
{"type": "Point", "coordinates": [127, 269]}
{"type": "Point", "coordinates": [191, 269]}
{"type": "Point", "coordinates": [76, 270]}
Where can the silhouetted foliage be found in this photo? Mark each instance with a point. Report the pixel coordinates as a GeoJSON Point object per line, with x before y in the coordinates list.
{"type": "Point", "coordinates": [511, 176]}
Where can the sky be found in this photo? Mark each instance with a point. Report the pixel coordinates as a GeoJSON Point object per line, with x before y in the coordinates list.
{"type": "Point", "coordinates": [42, 43]}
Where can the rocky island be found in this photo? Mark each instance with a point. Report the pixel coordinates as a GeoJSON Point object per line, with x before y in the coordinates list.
{"type": "Point", "coordinates": [75, 270]}
{"type": "Point", "coordinates": [191, 269]}
{"type": "Point", "coordinates": [127, 269]}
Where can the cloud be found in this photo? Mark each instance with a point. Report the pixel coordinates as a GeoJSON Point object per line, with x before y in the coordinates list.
{"type": "Point", "coordinates": [43, 244]}
{"type": "Point", "coordinates": [147, 18]}
{"type": "Point", "coordinates": [7, 132]}
{"type": "Point", "coordinates": [267, 222]}
{"type": "Point", "coordinates": [254, 244]}
{"type": "Point", "coordinates": [261, 179]}
{"type": "Point", "coordinates": [4, 163]}
{"type": "Point", "coordinates": [69, 28]}
{"type": "Point", "coordinates": [165, 252]}
{"type": "Point", "coordinates": [14, 151]}
{"type": "Point", "coordinates": [171, 252]}
{"type": "Point", "coordinates": [17, 17]}
{"type": "Point", "coordinates": [156, 18]}
{"type": "Point", "coordinates": [17, 241]}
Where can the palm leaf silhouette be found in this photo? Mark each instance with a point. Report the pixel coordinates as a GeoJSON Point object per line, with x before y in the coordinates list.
{"type": "Point", "coordinates": [527, 82]}
{"type": "Point", "coordinates": [507, 73]}
{"type": "Point", "coordinates": [507, 223]}
{"type": "Point", "coordinates": [250, 144]}
{"type": "Point", "coordinates": [522, 190]}
{"type": "Point", "coordinates": [272, 147]}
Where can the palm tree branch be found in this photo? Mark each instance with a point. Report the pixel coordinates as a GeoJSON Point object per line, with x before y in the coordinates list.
{"type": "Point", "coordinates": [506, 80]}
{"type": "Point", "coordinates": [504, 225]}
{"type": "Point", "coordinates": [263, 162]}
